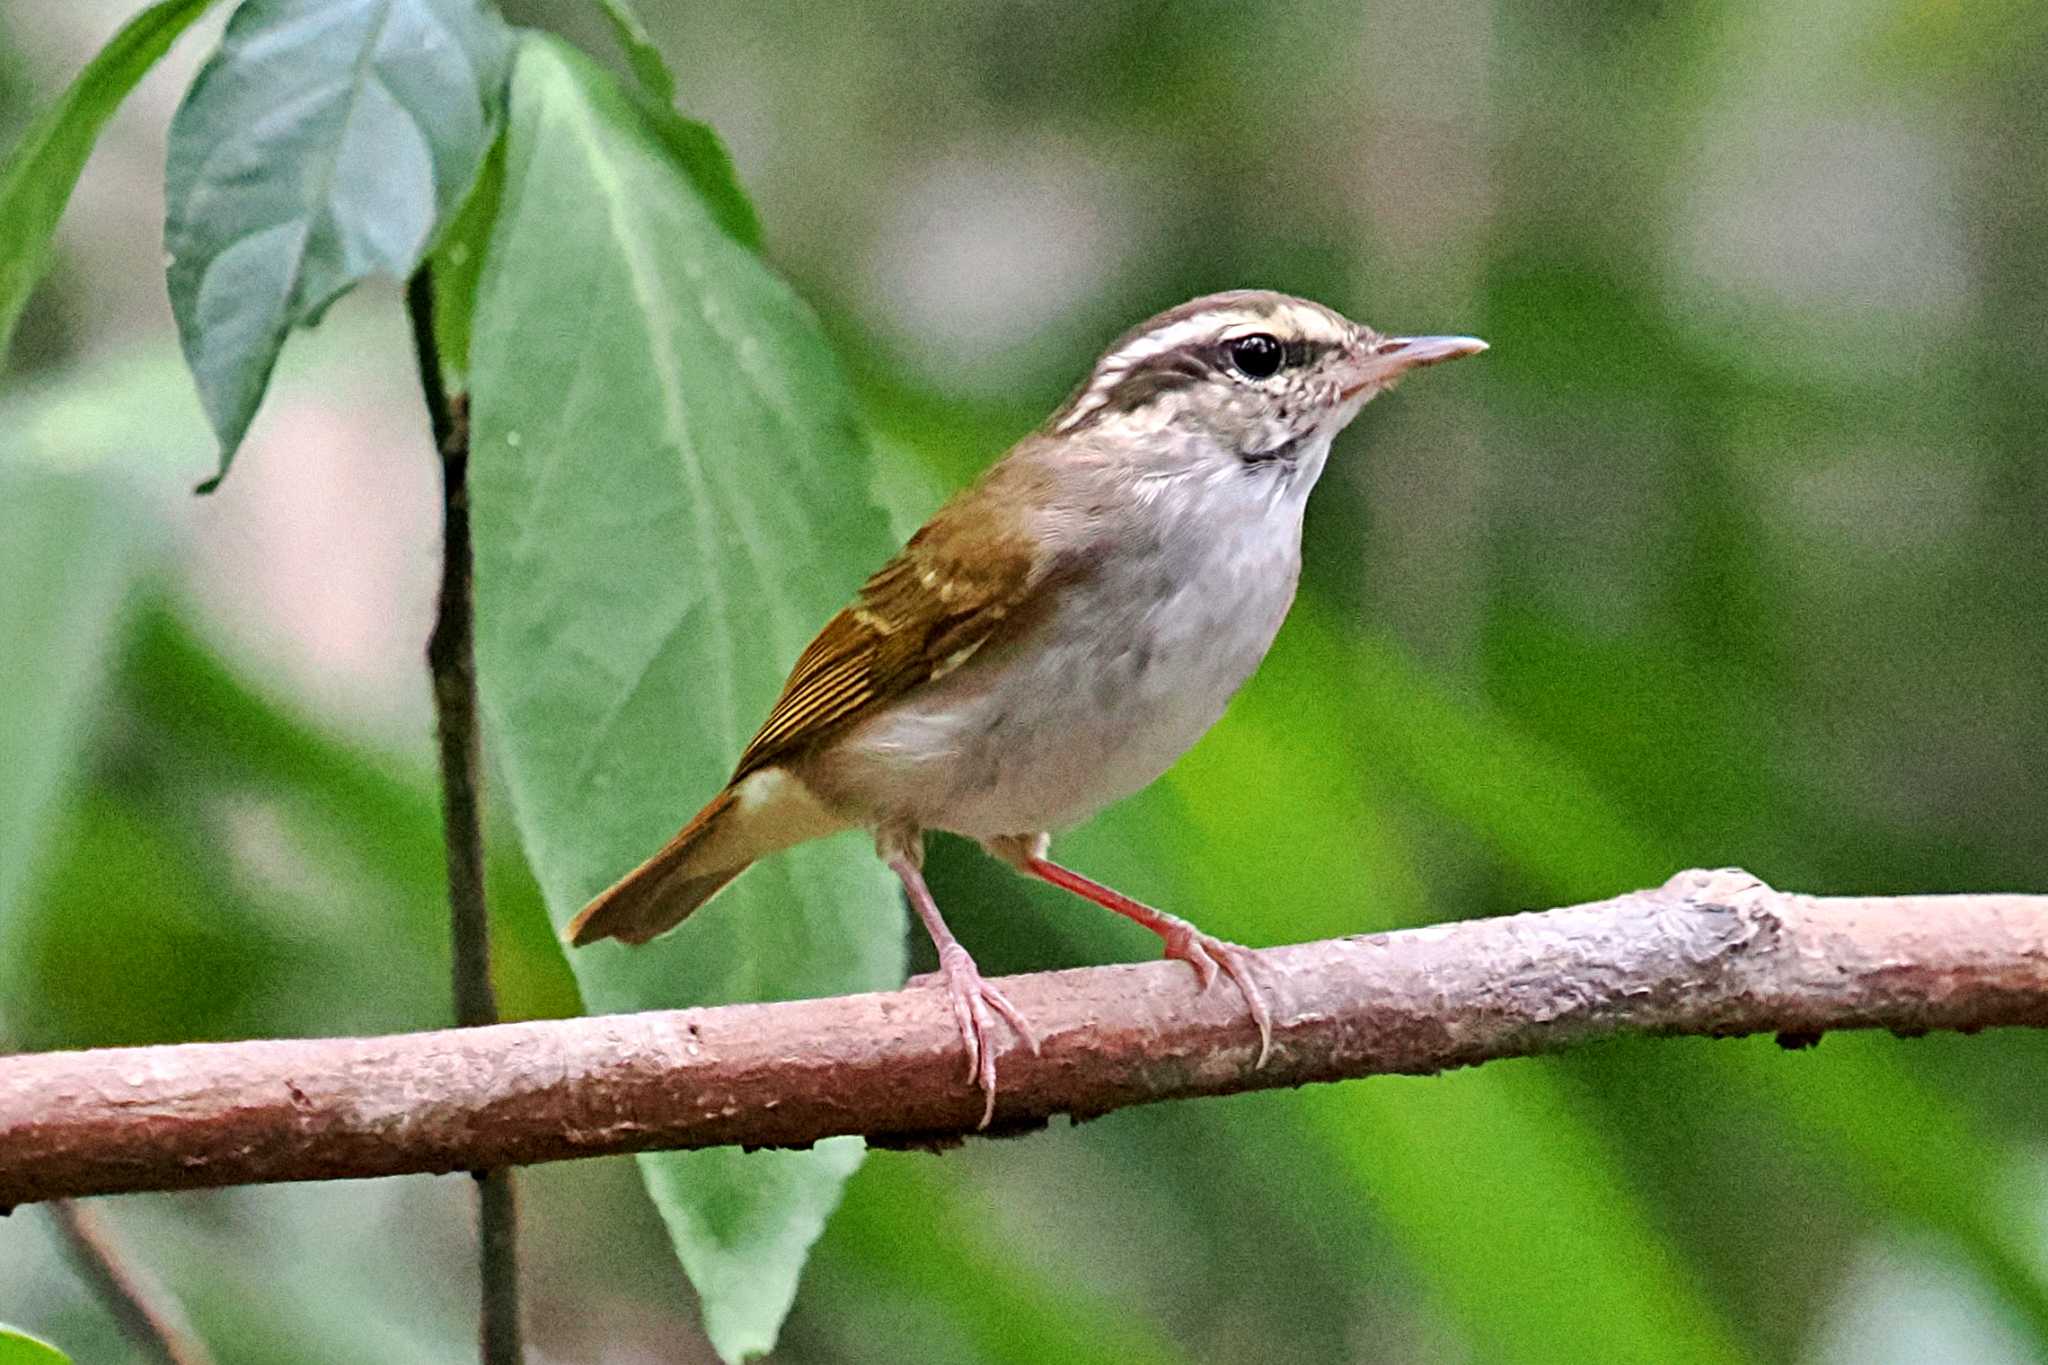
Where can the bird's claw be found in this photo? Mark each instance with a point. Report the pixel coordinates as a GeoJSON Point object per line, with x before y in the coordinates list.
{"type": "Point", "coordinates": [973, 998]}
{"type": "Point", "coordinates": [1205, 953]}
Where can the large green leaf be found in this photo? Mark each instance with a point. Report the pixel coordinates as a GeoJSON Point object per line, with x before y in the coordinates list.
{"type": "Point", "coordinates": [695, 147]}
{"type": "Point", "coordinates": [924, 1264]}
{"type": "Point", "coordinates": [670, 496]}
{"type": "Point", "coordinates": [643, 58]}
{"type": "Point", "coordinates": [19, 1348]}
{"type": "Point", "coordinates": [326, 141]}
{"type": "Point", "coordinates": [71, 542]}
{"type": "Point", "coordinates": [36, 180]}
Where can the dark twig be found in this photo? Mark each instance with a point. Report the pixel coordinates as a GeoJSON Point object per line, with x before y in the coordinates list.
{"type": "Point", "coordinates": [451, 659]}
{"type": "Point", "coordinates": [1710, 953]}
{"type": "Point", "coordinates": [146, 1310]}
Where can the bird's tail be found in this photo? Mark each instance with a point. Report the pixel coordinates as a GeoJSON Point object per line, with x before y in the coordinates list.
{"type": "Point", "coordinates": [660, 893]}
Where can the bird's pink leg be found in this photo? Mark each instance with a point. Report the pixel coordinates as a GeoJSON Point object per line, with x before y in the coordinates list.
{"type": "Point", "coordinates": [970, 993]}
{"type": "Point", "coordinates": [1183, 940]}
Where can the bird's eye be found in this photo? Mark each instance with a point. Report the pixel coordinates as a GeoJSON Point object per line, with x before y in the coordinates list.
{"type": "Point", "coordinates": [1257, 356]}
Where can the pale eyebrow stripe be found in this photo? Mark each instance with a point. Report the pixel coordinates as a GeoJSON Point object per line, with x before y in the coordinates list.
{"type": "Point", "coordinates": [1113, 368]}
{"type": "Point", "coordinates": [1171, 337]}
{"type": "Point", "coordinates": [1298, 325]}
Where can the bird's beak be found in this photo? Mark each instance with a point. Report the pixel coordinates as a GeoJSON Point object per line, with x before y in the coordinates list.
{"type": "Point", "coordinates": [1391, 357]}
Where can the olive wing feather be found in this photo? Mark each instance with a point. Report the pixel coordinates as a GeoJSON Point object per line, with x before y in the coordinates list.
{"type": "Point", "coordinates": [920, 616]}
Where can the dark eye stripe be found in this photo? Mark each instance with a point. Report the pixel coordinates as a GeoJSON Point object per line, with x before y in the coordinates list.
{"type": "Point", "coordinates": [1122, 383]}
{"type": "Point", "coordinates": [1175, 370]}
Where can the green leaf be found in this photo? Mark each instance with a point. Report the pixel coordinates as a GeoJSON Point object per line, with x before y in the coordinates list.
{"type": "Point", "coordinates": [915, 1231]}
{"type": "Point", "coordinates": [670, 496]}
{"type": "Point", "coordinates": [695, 147]}
{"type": "Point", "coordinates": [19, 1348]}
{"type": "Point", "coordinates": [37, 178]}
{"type": "Point", "coordinates": [642, 56]}
{"type": "Point", "coordinates": [458, 264]}
{"type": "Point", "coordinates": [1898, 1147]}
{"type": "Point", "coordinates": [699, 153]}
{"type": "Point", "coordinates": [326, 141]}
{"type": "Point", "coordinates": [71, 542]}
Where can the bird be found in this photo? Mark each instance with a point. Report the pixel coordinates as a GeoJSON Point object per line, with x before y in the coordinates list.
{"type": "Point", "coordinates": [1055, 637]}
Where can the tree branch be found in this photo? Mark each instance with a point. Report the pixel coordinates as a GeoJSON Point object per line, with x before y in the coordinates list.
{"type": "Point", "coordinates": [146, 1310]}
{"type": "Point", "coordinates": [451, 660]}
{"type": "Point", "coordinates": [1713, 953]}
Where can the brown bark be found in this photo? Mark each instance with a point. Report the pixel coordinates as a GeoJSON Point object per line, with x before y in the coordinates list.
{"type": "Point", "coordinates": [1713, 953]}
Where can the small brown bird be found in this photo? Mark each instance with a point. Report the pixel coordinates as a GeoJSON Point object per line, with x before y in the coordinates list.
{"type": "Point", "coordinates": [1056, 636]}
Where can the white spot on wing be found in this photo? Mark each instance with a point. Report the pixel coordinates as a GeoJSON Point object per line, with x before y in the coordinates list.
{"type": "Point", "coordinates": [954, 660]}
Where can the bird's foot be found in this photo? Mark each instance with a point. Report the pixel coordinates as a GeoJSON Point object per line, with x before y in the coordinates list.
{"type": "Point", "coordinates": [976, 1002]}
{"type": "Point", "coordinates": [1201, 951]}
{"type": "Point", "coordinates": [1205, 953]}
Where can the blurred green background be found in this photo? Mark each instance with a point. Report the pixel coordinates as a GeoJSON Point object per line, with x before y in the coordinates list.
{"type": "Point", "coordinates": [1731, 551]}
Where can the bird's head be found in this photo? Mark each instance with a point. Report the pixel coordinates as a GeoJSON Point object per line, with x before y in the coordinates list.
{"type": "Point", "coordinates": [1249, 374]}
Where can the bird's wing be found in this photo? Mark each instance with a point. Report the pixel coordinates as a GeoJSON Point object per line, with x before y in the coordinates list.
{"type": "Point", "coordinates": [924, 613]}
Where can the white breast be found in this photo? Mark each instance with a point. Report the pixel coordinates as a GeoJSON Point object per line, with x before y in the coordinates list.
{"type": "Point", "coordinates": [1133, 666]}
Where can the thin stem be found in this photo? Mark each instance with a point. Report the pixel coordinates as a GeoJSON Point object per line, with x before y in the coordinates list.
{"type": "Point", "coordinates": [451, 660]}
{"type": "Point", "coordinates": [146, 1310]}
{"type": "Point", "coordinates": [498, 1327]}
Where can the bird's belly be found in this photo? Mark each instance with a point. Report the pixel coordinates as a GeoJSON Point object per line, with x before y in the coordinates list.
{"type": "Point", "coordinates": [1093, 706]}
